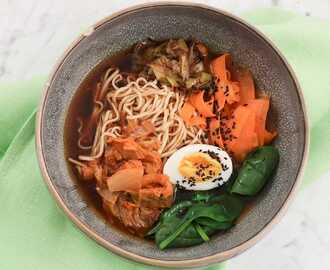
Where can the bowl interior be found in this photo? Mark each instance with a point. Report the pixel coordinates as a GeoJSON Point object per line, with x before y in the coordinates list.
{"type": "Point", "coordinates": [222, 34]}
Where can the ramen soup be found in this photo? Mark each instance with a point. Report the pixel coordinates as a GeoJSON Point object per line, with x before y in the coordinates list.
{"type": "Point", "coordinates": [171, 140]}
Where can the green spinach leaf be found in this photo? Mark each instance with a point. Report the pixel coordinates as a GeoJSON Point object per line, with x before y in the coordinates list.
{"type": "Point", "coordinates": [191, 222]}
{"type": "Point", "coordinates": [256, 170]}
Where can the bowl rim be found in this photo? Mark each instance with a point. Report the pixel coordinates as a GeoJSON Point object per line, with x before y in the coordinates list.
{"type": "Point", "coordinates": [191, 263]}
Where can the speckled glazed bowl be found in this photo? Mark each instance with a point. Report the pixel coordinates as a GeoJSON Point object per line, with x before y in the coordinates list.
{"type": "Point", "coordinates": [222, 32]}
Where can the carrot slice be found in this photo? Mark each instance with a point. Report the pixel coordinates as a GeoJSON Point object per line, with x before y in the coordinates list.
{"type": "Point", "coordinates": [247, 142]}
{"type": "Point", "coordinates": [204, 108]}
{"type": "Point", "coordinates": [198, 122]}
{"type": "Point", "coordinates": [214, 133]}
{"type": "Point", "coordinates": [221, 69]}
{"type": "Point", "coordinates": [187, 112]}
{"type": "Point", "coordinates": [220, 99]}
{"type": "Point", "coordinates": [246, 85]}
{"type": "Point", "coordinates": [237, 122]}
{"type": "Point", "coordinates": [269, 136]}
{"type": "Point", "coordinates": [247, 128]}
{"type": "Point", "coordinates": [242, 139]}
{"type": "Point", "coordinates": [233, 92]}
{"type": "Point", "coordinates": [189, 116]}
{"type": "Point", "coordinates": [243, 117]}
{"type": "Point", "coordinates": [260, 107]}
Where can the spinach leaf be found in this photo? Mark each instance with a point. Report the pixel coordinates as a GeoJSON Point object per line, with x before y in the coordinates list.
{"type": "Point", "coordinates": [190, 223]}
{"type": "Point", "coordinates": [189, 237]}
{"type": "Point", "coordinates": [256, 170]}
{"type": "Point", "coordinates": [213, 224]}
{"type": "Point", "coordinates": [177, 210]}
{"type": "Point", "coordinates": [228, 185]}
{"type": "Point", "coordinates": [170, 215]}
{"type": "Point", "coordinates": [201, 231]}
{"type": "Point", "coordinates": [231, 205]}
{"type": "Point", "coordinates": [170, 220]}
{"type": "Point", "coordinates": [201, 196]}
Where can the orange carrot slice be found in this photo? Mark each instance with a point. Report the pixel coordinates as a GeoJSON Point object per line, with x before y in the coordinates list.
{"type": "Point", "coordinates": [190, 117]}
{"type": "Point", "coordinates": [221, 70]}
{"type": "Point", "coordinates": [214, 132]}
{"type": "Point", "coordinates": [243, 117]}
{"type": "Point", "coordinates": [269, 136]}
{"type": "Point", "coordinates": [242, 139]}
{"type": "Point", "coordinates": [198, 122]}
{"type": "Point", "coordinates": [220, 99]}
{"type": "Point", "coordinates": [219, 67]}
{"type": "Point", "coordinates": [187, 112]}
{"type": "Point", "coordinates": [260, 107]}
{"type": "Point", "coordinates": [205, 108]}
{"type": "Point", "coordinates": [246, 85]}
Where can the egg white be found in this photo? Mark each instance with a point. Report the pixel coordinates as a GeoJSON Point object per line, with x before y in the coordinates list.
{"type": "Point", "coordinates": [171, 167]}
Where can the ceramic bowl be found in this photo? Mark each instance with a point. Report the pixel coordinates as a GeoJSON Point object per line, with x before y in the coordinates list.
{"type": "Point", "coordinates": [222, 32]}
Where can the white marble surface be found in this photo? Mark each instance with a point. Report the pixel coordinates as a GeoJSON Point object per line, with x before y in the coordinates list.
{"type": "Point", "coordinates": [33, 34]}
{"type": "Point", "coordinates": [301, 241]}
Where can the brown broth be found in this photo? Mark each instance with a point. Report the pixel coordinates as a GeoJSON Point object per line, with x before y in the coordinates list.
{"type": "Point", "coordinates": [81, 107]}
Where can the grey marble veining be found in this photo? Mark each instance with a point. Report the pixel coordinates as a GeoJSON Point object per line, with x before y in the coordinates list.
{"type": "Point", "coordinates": [302, 239]}
{"type": "Point", "coordinates": [34, 33]}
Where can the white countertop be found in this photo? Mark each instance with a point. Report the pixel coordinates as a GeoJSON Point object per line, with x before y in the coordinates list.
{"type": "Point", "coordinates": [34, 33]}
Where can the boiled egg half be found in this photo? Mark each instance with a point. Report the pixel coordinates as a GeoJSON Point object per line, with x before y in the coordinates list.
{"type": "Point", "coordinates": [199, 167]}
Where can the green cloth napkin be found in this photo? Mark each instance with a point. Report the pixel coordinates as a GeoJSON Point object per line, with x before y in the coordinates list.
{"type": "Point", "coordinates": [35, 233]}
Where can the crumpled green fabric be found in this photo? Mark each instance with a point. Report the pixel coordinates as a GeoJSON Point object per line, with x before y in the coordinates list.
{"type": "Point", "coordinates": [304, 41]}
{"type": "Point", "coordinates": [35, 233]}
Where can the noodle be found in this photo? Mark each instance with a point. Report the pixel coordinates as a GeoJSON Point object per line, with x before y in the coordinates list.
{"type": "Point", "coordinates": [140, 100]}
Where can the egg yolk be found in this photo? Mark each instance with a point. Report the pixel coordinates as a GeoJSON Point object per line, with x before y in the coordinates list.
{"type": "Point", "coordinates": [199, 167]}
